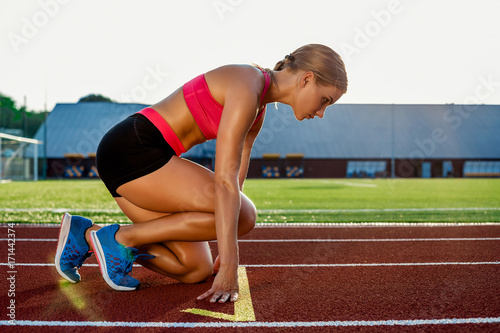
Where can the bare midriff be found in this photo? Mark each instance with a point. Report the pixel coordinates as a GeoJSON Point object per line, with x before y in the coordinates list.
{"type": "Point", "coordinates": [176, 113]}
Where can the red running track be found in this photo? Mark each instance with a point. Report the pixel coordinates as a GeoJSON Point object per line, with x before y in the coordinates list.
{"type": "Point", "coordinates": [376, 278]}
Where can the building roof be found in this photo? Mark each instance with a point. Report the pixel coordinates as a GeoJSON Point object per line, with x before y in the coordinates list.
{"type": "Point", "coordinates": [347, 131]}
{"type": "Point", "coordinates": [79, 127]}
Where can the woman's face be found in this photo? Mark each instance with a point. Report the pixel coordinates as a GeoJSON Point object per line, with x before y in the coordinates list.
{"type": "Point", "coordinates": [312, 99]}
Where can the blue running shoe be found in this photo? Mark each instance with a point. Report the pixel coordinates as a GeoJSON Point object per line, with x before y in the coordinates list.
{"type": "Point", "coordinates": [115, 260]}
{"type": "Point", "coordinates": [72, 248]}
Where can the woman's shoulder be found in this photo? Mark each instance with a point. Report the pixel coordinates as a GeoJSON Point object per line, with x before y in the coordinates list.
{"type": "Point", "coordinates": [241, 68]}
{"type": "Point", "coordinates": [237, 71]}
{"type": "Point", "coordinates": [236, 77]}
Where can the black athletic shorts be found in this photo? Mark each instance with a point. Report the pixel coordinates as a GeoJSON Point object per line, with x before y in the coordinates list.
{"type": "Point", "coordinates": [131, 149]}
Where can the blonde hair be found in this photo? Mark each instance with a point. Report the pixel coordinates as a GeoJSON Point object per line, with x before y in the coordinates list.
{"type": "Point", "coordinates": [325, 63]}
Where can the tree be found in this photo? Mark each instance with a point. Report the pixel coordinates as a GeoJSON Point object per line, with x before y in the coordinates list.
{"type": "Point", "coordinates": [7, 102]}
{"type": "Point", "coordinates": [95, 98]}
{"type": "Point", "coordinates": [10, 117]}
{"type": "Point", "coordinates": [13, 117]}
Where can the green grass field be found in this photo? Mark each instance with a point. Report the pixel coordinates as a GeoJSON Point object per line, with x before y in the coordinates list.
{"type": "Point", "coordinates": [282, 200]}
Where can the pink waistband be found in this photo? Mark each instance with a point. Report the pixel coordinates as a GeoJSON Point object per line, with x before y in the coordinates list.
{"type": "Point", "coordinates": [165, 129]}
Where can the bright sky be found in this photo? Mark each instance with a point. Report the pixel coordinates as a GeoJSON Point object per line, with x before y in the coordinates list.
{"type": "Point", "coordinates": [396, 51]}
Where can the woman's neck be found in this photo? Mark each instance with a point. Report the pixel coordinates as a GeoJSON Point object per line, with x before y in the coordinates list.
{"type": "Point", "coordinates": [282, 88]}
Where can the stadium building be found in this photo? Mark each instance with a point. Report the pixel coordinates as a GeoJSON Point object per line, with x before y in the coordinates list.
{"type": "Point", "coordinates": [352, 140]}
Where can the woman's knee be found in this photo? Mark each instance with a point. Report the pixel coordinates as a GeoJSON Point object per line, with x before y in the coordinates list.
{"type": "Point", "coordinates": [248, 215]}
{"type": "Point", "coordinates": [198, 274]}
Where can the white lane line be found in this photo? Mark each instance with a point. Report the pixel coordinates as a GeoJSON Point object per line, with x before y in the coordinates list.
{"type": "Point", "coordinates": [376, 210]}
{"type": "Point", "coordinates": [336, 240]}
{"type": "Point", "coordinates": [299, 224]}
{"type": "Point", "coordinates": [306, 265]}
{"type": "Point", "coordinates": [368, 210]}
{"type": "Point", "coordinates": [59, 210]}
{"type": "Point", "coordinates": [355, 184]}
{"type": "Point", "coordinates": [373, 224]}
{"type": "Point", "coordinates": [365, 240]}
{"type": "Point", "coordinates": [28, 239]}
{"type": "Point", "coordinates": [377, 264]}
{"type": "Point", "coordinates": [280, 324]}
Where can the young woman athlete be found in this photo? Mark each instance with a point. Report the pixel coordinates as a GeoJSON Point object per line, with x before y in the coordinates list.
{"type": "Point", "coordinates": [176, 206]}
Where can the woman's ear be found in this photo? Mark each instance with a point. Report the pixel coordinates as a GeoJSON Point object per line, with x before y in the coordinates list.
{"type": "Point", "coordinates": [306, 79]}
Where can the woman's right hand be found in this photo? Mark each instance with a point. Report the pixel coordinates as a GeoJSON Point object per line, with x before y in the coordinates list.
{"type": "Point", "coordinates": [224, 288]}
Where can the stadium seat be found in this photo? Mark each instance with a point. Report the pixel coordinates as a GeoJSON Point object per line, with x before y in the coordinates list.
{"type": "Point", "coordinates": [294, 165]}
{"type": "Point", "coordinates": [270, 172]}
{"type": "Point", "coordinates": [271, 166]}
{"type": "Point", "coordinates": [364, 169]}
{"type": "Point", "coordinates": [74, 165]}
{"type": "Point", "coordinates": [481, 169]}
{"type": "Point", "coordinates": [74, 171]}
{"type": "Point", "coordinates": [93, 172]}
{"type": "Point", "coordinates": [92, 169]}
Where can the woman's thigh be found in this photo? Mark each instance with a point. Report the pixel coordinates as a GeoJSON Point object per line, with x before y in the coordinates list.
{"type": "Point", "coordinates": [178, 186]}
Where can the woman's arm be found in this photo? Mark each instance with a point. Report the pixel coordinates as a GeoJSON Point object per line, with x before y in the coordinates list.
{"type": "Point", "coordinates": [247, 149]}
{"type": "Point", "coordinates": [239, 112]}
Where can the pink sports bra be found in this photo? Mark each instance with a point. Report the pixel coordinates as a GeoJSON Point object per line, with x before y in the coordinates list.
{"type": "Point", "coordinates": [206, 111]}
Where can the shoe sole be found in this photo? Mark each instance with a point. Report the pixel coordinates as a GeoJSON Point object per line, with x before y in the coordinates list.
{"type": "Point", "coordinates": [61, 244]}
{"type": "Point", "coordinates": [99, 254]}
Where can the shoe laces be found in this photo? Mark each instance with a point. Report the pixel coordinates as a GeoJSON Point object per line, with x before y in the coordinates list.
{"type": "Point", "coordinates": [132, 255]}
{"type": "Point", "coordinates": [85, 256]}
